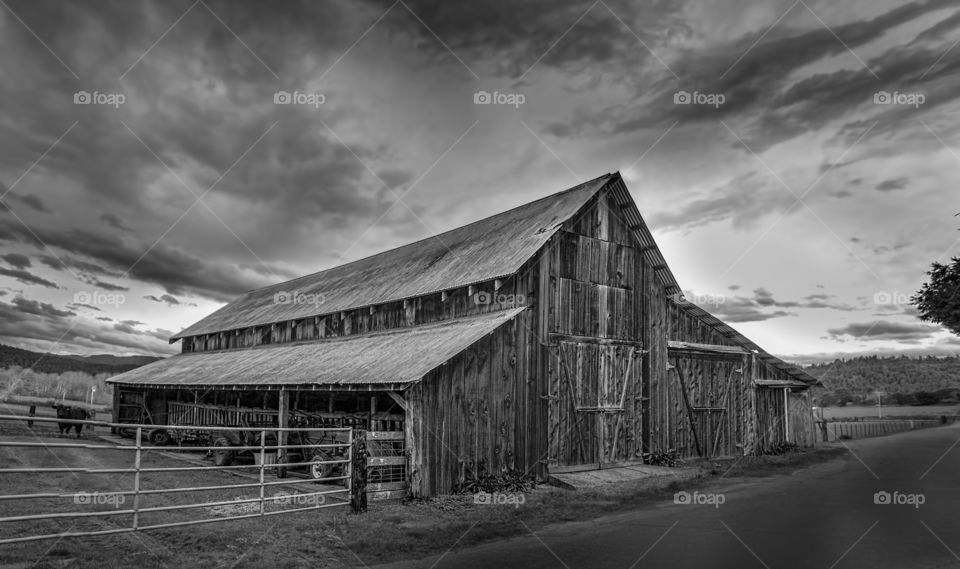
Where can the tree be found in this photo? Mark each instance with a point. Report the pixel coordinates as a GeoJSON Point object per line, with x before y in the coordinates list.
{"type": "Point", "coordinates": [939, 299]}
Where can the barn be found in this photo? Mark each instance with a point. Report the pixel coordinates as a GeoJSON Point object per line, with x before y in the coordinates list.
{"type": "Point", "coordinates": [548, 338]}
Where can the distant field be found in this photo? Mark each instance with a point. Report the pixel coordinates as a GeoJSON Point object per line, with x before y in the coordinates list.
{"type": "Point", "coordinates": [891, 411]}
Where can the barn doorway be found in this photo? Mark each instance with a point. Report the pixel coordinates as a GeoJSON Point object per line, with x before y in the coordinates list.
{"type": "Point", "coordinates": [595, 398]}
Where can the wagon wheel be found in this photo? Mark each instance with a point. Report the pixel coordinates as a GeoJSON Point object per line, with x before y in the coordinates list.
{"type": "Point", "coordinates": [159, 437]}
{"type": "Point", "coordinates": [318, 470]}
{"type": "Point", "coordinates": [223, 457]}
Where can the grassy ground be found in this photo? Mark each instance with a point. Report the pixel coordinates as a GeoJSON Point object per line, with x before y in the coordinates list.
{"type": "Point", "coordinates": [330, 537]}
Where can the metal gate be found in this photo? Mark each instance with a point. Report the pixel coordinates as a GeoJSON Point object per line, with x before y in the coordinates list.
{"type": "Point", "coordinates": [129, 485]}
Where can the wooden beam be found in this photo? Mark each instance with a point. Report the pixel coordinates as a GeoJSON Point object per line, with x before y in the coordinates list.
{"type": "Point", "coordinates": [400, 401]}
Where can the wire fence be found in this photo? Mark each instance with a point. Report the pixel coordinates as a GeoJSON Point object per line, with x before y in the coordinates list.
{"type": "Point", "coordinates": [49, 488]}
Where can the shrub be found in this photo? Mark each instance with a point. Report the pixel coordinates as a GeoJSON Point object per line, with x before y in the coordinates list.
{"type": "Point", "coordinates": [669, 457]}
{"type": "Point", "coordinates": [511, 481]}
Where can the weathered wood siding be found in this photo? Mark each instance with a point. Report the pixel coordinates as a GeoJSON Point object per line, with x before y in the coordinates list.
{"type": "Point", "coordinates": [592, 330]}
{"type": "Point", "coordinates": [481, 413]}
{"type": "Point", "coordinates": [465, 301]}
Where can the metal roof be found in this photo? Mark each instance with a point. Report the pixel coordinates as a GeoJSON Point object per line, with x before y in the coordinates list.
{"type": "Point", "coordinates": [398, 356]}
{"type": "Point", "coordinates": [487, 249]}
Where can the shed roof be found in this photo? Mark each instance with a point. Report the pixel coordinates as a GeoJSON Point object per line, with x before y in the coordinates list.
{"type": "Point", "coordinates": [487, 249]}
{"type": "Point", "coordinates": [398, 356]}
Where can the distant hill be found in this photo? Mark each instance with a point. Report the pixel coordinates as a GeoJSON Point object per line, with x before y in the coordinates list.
{"type": "Point", "coordinates": [53, 363]}
{"type": "Point", "coordinates": [907, 381]}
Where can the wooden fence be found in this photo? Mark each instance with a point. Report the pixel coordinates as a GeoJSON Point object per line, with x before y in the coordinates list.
{"type": "Point", "coordinates": [840, 430]}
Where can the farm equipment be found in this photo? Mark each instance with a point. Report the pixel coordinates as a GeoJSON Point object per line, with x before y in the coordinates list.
{"type": "Point", "coordinates": [311, 454]}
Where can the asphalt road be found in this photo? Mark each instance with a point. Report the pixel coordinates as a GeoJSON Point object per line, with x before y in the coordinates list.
{"type": "Point", "coordinates": [824, 516]}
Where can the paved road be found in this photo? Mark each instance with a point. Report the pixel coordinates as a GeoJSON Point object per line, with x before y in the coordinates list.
{"type": "Point", "coordinates": [819, 517]}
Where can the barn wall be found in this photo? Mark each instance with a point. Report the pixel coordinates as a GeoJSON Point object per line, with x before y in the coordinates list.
{"type": "Point", "coordinates": [480, 413]}
{"type": "Point", "coordinates": [592, 328]}
{"type": "Point", "coordinates": [412, 312]}
{"type": "Point", "coordinates": [771, 427]}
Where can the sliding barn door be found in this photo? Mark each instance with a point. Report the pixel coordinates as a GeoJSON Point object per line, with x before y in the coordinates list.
{"type": "Point", "coordinates": [592, 393]}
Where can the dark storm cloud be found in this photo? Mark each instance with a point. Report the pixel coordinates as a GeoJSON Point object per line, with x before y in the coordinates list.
{"type": "Point", "coordinates": [51, 328]}
{"type": "Point", "coordinates": [168, 299]}
{"type": "Point", "coordinates": [17, 260]}
{"type": "Point", "coordinates": [105, 285]}
{"type": "Point", "coordinates": [87, 306]}
{"type": "Point", "coordinates": [28, 278]}
{"type": "Point", "coordinates": [557, 33]}
{"type": "Point", "coordinates": [764, 306]}
{"type": "Point", "coordinates": [113, 221]}
{"type": "Point", "coordinates": [171, 268]}
{"type": "Point", "coordinates": [884, 330]}
{"type": "Point", "coordinates": [764, 103]}
{"type": "Point", "coordinates": [33, 202]}
{"type": "Point", "coordinates": [295, 177]}
{"type": "Point", "coordinates": [40, 308]}
{"type": "Point", "coordinates": [894, 184]}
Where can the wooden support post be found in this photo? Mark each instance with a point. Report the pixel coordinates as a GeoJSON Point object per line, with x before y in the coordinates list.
{"type": "Point", "coordinates": [358, 471]}
{"type": "Point", "coordinates": [283, 421]}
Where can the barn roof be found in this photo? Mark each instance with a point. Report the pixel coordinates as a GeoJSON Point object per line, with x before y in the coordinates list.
{"type": "Point", "coordinates": [395, 357]}
{"type": "Point", "coordinates": [481, 251]}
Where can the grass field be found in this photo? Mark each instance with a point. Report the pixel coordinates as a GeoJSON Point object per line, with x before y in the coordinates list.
{"type": "Point", "coordinates": [891, 411]}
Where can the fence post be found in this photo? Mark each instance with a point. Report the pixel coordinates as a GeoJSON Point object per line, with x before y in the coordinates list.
{"type": "Point", "coordinates": [358, 470]}
{"type": "Point", "coordinates": [33, 413]}
{"type": "Point", "coordinates": [263, 460]}
{"type": "Point", "coordinates": [136, 479]}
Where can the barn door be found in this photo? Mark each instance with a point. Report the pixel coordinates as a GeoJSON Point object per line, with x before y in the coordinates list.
{"type": "Point", "coordinates": [590, 395]}
{"type": "Point", "coordinates": [706, 387]}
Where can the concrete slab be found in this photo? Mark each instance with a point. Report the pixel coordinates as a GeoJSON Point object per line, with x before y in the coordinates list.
{"type": "Point", "coordinates": [594, 478]}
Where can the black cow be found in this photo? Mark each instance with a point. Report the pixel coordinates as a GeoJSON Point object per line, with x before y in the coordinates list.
{"type": "Point", "coordinates": [68, 412]}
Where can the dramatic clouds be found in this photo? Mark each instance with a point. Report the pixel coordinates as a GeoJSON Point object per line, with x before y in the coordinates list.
{"type": "Point", "coordinates": [151, 167]}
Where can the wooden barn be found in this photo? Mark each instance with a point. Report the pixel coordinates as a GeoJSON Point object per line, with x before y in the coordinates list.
{"type": "Point", "coordinates": [547, 338]}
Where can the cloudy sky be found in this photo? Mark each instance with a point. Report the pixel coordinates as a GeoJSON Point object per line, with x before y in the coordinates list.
{"type": "Point", "coordinates": [798, 161]}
